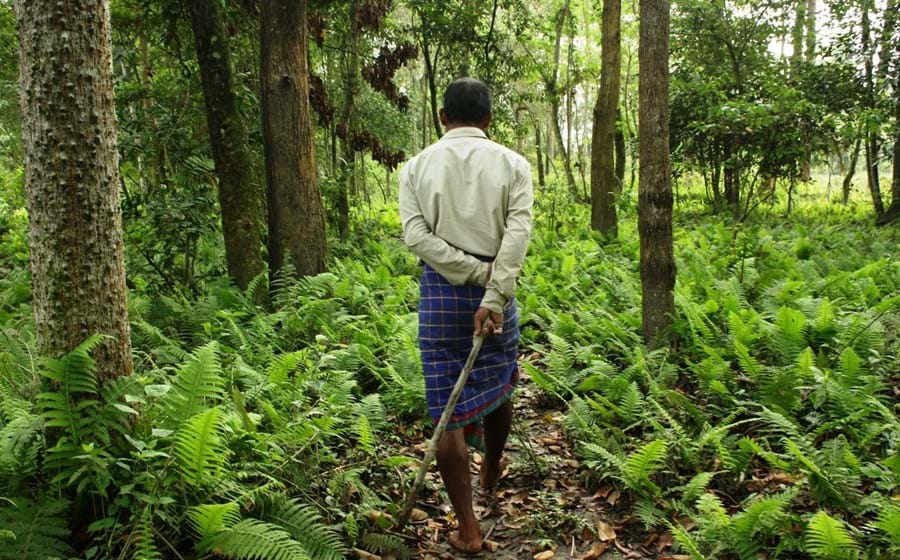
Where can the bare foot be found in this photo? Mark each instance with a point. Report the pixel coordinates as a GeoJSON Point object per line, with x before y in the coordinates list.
{"type": "Point", "coordinates": [490, 476]}
{"type": "Point", "coordinates": [471, 546]}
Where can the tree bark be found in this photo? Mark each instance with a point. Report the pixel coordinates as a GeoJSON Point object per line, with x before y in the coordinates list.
{"type": "Point", "coordinates": [432, 86]}
{"type": "Point", "coordinates": [851, 170]}
{"type": "Point", "coordinates": [72, 179]}
{"type": "Point", "coordinates": [620, 152]}
{"type": "Point", "coordinates": [552, 84]}
{"type": "Point", "coordinates": [872, 136]}
{"type": "Point", "coordinates": [347, 176]}
{"type": "Point", "coordinates": [239, 200]}
{"type": "Point", "coordinates": [296, 216]}
{"type": "Point", "coordinates": [604, 185]}
{"type": "Point", "coordinates": [541, 167]}
{"type": "Point", "coordinates": [655, 187]}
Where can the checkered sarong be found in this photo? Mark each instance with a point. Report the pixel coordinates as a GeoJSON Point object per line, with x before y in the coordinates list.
{"type": "Point", "coordinates": [446, 314]}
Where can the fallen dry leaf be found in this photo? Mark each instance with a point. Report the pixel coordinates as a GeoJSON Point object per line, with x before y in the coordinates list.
{"type": "Point", "coordinates": [605, 532]}
{"type": "Point", "coordinates": [664, 542]}
{"type": "Point", "coordinates": [417, 515]}
{"type": "Point", "coordinates": [490, 546]}
{"type": "Point", "coordinates": [546, 555]}
{"type": "Point", "coordinates": [597, 550]}
{"type": "Point", "coordinates": [365, 555]}
{"type": "Point", "coordinates": [613, 497]}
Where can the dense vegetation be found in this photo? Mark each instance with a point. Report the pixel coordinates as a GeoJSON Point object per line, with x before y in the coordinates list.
{"type": "Point", "coordinates": [268, 414]}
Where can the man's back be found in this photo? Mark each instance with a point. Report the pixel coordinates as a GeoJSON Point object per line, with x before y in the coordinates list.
{"type": "Point", "coordinates": [463, 184]}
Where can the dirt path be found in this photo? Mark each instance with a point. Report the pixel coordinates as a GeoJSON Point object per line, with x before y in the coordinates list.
{"type": "Point", "coordinates": [543, 508]}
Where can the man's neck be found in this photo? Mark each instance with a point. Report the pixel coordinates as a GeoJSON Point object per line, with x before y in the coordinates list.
{"type": "Point", "coordinates": [453, 126]}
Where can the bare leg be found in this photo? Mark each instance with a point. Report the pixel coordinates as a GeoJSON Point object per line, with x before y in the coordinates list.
{"type": "Point", "coordinates": [497, 425]}
{"type": "Point", "coordinates": [453, 462]}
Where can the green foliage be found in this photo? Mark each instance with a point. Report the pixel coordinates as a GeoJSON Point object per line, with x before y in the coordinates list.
{"type": "Point", "coordinates": [828, 539]}
{"type": "Point", "coordinates": [39, 530]}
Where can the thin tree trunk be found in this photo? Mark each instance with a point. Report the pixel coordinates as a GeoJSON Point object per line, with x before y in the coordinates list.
{"type": "Point", "coordinates": [239, 200]}
{"type": "Point", "coordinates": [72, 180]}
{"type": "Point", "coordinates": [655, 189]}
{"type": "Point", "coordinates": [620, 153]}
{"type": "Point", "coordinates": [541, 167]}
{"type": "Point", "coordinates": [851, 170]}
{"type": "Point", "coordinates": [872, 136]}
{"type": "Point", "coordinates": [603, 171]}
{"type": "Point", "coordinates": [811, 9]}
{"type": "Point", "coordinates": [432, 86]}
{"type": "Point", "coordinates": [552, 84]}
{"type": "Point", "coordinates": [296, 216]}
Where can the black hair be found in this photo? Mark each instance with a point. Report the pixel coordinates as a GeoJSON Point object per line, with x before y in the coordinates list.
{"type": "Point", "coordinates": [467, 101]}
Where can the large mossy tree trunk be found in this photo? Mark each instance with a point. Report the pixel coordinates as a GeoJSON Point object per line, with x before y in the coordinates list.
{"type": "Point", "coordinates": [72, 179]}
{"type": "Point", "coordinates": [604, 182]}
{"type": "Point", "coordinates": [240, 202]}
{"type": "Point", "coordinates": [655, 186]}
{"type": "Point", "coordinates": [296, 216]}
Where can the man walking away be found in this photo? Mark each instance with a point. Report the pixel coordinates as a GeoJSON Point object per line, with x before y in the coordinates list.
{"type": "Point", "coordinates": [465, 202]}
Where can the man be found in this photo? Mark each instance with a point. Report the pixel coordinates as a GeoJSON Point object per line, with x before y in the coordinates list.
{"type": "Point", "coordinates": [465, 203]}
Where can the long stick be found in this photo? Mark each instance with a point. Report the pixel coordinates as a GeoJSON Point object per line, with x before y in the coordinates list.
{"type": "Point", "coordinates": [477, 341]}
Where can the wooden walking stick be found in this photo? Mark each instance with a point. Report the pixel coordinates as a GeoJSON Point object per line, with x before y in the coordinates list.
{"type": "Point", "coordinates": [477, 341]}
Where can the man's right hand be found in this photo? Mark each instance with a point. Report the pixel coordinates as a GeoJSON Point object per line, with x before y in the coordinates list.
{"type": "Point", "coordinates": [488, 322]}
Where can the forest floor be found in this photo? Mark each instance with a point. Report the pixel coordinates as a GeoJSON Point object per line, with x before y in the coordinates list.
{"type": "Point", "coordinates": [546, 506]}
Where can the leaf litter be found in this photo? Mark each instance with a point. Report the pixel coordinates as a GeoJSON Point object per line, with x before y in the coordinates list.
{"type": "Point", "coordinates": [545, 506]}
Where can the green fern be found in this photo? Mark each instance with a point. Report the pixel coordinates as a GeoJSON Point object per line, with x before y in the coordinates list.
{"type": "Point", "coordinates": [889, 523]}
{"type": "Point", "coordinates": [200, 449]}
{"type": "Point", "coordinates": [251, 539]}
{"type": "Point", "coordinates": [643, 463]}
{"type": "Point", "coordinates": [305, 525]}
{"type": "Point", "coordinates": [386, 544]}
{"type": "Point", "coordinates": [198, 385]}
{"type": "Point", "coordinates": [686, 541]}
{"type": "Point", "coordinates": [827, 538]}
{"type": "Point", "coordinates": [144, 547]}
{"type": "Point", "coordinates": [751, 527]}
{"type": "Point", "coordinates": [41, 530]}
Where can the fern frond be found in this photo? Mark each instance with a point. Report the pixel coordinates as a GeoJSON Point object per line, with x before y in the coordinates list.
{"type": "Point", "coordinates": [200, 450]}
{"type": "Point", "coordinates": [386, 544]}
{"type": "Point", "coordinates": [251, 539]}
{"type": "Point", "coordinates": [198, 384]}
{"type": "Point", "coordinates": [686, 541]}
{"type": "Point", "coordinates": [208, 519]}
{"type": "Point", "coordinates": [828, 539]}
{"type": "Point", "coordinates": [41, 530]}
{"type": "Point", "coordinates": [305, 525]}
{"type": "Point", "coordinates": [643, 463]}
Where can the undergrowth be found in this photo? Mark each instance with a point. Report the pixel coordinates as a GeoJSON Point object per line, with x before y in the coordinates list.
{"type": "Point", "coordinates": [769, 425]}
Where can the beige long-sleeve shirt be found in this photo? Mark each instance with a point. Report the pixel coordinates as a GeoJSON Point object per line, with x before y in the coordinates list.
{"type": "Point", "coordinates": [466, 195]}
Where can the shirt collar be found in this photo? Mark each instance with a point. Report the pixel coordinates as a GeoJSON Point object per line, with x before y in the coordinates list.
{"type": "Point", "coordinates": [464, 132]}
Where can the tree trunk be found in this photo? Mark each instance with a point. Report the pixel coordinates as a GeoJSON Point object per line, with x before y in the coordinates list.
{"type": "Point", "coordinates": [552, 84]}
{"type": "Point", "coordinates": [851, 170]}
{"type": "Point", "coordinates": [604, 185]}
{"type": "Point", "coordinates": [72, 180]}
{"type": "Point", "coordinates": [797, 35]}
{"type": "Point", "coordinates": [541, 167]}
{"type": "Point", "coordinates": [296, 216]}
{"type": "Point", "coordinates": [872, 136]}
{"type": "Point", "coordinates": [811, 9]}
{"type": "Point", "coordinates": [620, 152]}
{"type": "Point", "coordinates": [655, 186]}
{"type": "Point", "coordinates": [432, 86]}
{"type": "Point", "coordinates": [239, 200]}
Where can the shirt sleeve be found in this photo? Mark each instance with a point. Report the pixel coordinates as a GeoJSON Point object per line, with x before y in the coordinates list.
{"type": "Point", "coordinates": [458, 267]}
{"type": "Point", "coordinates": [502, 284]}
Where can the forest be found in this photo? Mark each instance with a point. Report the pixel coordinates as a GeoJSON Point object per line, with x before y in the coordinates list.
{"type": "Point", "coordinates": [210, 318]}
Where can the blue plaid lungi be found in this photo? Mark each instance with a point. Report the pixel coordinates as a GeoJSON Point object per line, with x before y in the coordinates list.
{"type": "Point", "coordinates": [446, 314]}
